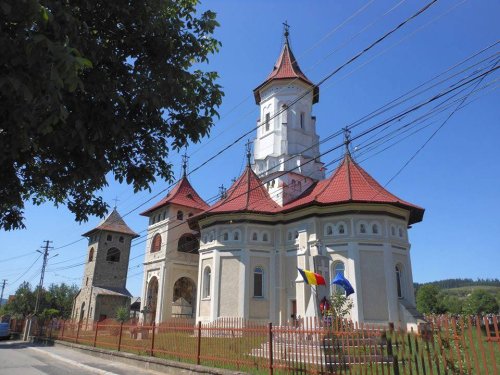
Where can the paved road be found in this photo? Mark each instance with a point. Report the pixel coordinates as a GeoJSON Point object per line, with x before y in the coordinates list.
{"type": "Point", "coordinates": [19, 358]}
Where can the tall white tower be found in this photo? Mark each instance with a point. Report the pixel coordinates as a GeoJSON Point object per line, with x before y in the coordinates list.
{"type": "Point", "coordinates": [286, 137]}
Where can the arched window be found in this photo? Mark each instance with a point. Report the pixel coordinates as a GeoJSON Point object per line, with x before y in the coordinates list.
{"type": "Point", "coordinates": [393, 230]}
{"type": "Point", "coordinates": [289, 236]}
{"type": "Point", "coordinates": [258, 282]}
{"type": "Point", "coordinates": [236, 235]}
{"type": "Point", "coordinates": [398, 281]}
{"type": "Point", "coordinates": [121, 239]}
{"type": "Point", "coordinates": [362, 228]}
{"type": "Point", "coordinates": [265, 237]}
{"type": "Point", "coordinates": [207, 276]}
{"type": "Point", "coordinates": [268, 120]}
{"type": "Point", "coordinates": [211, 237]}
{"type": "Point", "coordinates": [302, 119]}
{"type": "Point", "coordinates": [180, 215]}
{"type": "Point", "coordinates": [113, 255]}
{"type": "Point", "coordinates": [329, 230]}
{"type": "Point", "coordinates": [375, 229]}
{"type": "Point", "coordinates": [401, 232]}
{"type": "Point", "coordinates": [341, 229]}
{"type": "Point", "coordinates": [254, 236]}
{"type": "Point", "coordinates": [109, 237]}
{"type": "Point", "coordinates": [338, 267]}
{"type": "Point", "coordinates": [225, 236]}
{"type": "Point", "coordinates": [91, 254]}
{"type": "Point", "coordinates": [188, 244]}
{"type": "Point", "coordinates": [284, 114]}
{"type": "Point", "coordinates": [156, 243]}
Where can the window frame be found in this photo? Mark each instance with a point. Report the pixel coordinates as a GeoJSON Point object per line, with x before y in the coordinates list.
{"type": "Point", "coordinates": [207, 281]}
{"type": "Point", "coordinates": [258, 273]}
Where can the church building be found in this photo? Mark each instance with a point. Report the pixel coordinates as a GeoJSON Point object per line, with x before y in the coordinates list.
{"type": "Point", "coordinates": [239, 257]}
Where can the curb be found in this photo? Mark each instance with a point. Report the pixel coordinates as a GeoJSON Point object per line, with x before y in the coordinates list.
{"type": "Point", "coordinates": [151, 363]}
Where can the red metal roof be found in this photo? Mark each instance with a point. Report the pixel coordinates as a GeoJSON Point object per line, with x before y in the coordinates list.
{"type": "Point", "coordinates": [113, 223]}
{"type": "Point", "coordinates": [286, 67]}
{"type": "Point", "coordinates": [183, 194]}
{"type": "Point", "coordinates": [247, 194]}
{"type": "Point", "coordinates": [351, 183]}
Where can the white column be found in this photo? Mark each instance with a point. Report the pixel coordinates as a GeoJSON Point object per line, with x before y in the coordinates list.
{"type": "Point", "coordinates": [243, 308]}
{"type": "Point", "coordinates": [390, 284]}
{"type": "Point", "coordinates": [354, 277]}
{"type": "Point", "coordinates": [214, 292]}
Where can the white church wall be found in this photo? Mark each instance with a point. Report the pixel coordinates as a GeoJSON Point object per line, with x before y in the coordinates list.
{"type": "Point", "coordinates": [259, 306]}
{"type": "Point", "coordinates": [373, 286]}
{"type": "Point", "coordinates": [229, 291]}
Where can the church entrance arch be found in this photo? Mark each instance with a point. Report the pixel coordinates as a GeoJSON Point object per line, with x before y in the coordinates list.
{"type": "Point", "coordinates": [183, 301]}
{"type": "Point", "coordinates": [151, 300]}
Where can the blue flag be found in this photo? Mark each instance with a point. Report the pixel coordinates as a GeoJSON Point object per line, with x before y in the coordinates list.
{"type": "Point", "coordinates": [344, 283]}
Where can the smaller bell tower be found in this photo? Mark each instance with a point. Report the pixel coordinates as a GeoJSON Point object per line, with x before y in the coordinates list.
{"type": "Point", "coordinates": [104, 279]}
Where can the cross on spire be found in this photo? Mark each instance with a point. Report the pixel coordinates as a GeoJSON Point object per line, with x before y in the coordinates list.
{"type": "Point", "coordinates": [249, 154]}
{"type": "Point", "coordinates": [347, 139]}
{"type": "Point", "coordinates": [116, 201]}
{"type": "Point", "coordinates": [286, 28]}
{"type": "Point", "coordinates": [222, 191]}
{"type": "Point", "coordinates": [185, 159]}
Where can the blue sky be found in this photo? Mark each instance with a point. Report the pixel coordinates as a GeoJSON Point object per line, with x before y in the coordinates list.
{"type": "Point", "coordinates": [455, 177]}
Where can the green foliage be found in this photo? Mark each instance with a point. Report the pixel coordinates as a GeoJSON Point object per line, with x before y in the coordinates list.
{"type": "Point", "coordinates": [91, 88]}
{"type": "Point", "coordinates": [56, 298]}
{"type": "Point", "coordinates": [481, 302]}
{"type": "Point", "coordinates": [122, 314]}
{"type": "Point", "coordinates": [49, 313]}
{"type": "Point", "coordinates": [451, 304]}
{"type": "Point", "coordinates": [428, 301]}
{"type": "Point", "coordinates": [340, 306]}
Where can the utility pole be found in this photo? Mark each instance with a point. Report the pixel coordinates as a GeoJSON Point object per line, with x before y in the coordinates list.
{"type": "Point", "coordinates": [3, 287]}
{"type": "Point", "coordinates": [40, 285]}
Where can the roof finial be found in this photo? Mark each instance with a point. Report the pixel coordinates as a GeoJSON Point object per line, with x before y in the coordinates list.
{"type": "Point", "coordinates": [116, 201]}
{"type": "Point", "coordinates": [347, 140]}
{"type": "Point", "coordinates": [222, 192]}
{"type": "Point", "coordinates": [185, 159]}
{"type": "Point", "coordinates": [249, 154]}
{"type": "Point", "coordinates": [286, 32]}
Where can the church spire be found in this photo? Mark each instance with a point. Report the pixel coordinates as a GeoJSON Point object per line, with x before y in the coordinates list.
{"type": "Point", "coordinates": [185, 159]}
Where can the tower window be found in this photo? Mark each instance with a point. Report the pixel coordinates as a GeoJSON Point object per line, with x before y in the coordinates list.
{"type": "Point", "coordinates": [180, 215]}
{"type": "Point", "coordinates": [121, 239]}
{"type": "Point", "coordinates": [398, 281]}
{"type": "Point", "coordinates": [236, 235]}
{"type": "Point", "coordinates": [302, 119]}
{"type": "Point", "coordinates": [109, 237]}
{"type": "Point", "coordinates": [375, 229]}
{"type": "Point", "coordinates": [188, 244]}
{"type": "Point", "coordinates": [156, 243]}
{"type": "Point", "coordinates": [254, 236]}
{"type": "Point", "coordinates": [284, 114]}
{"type": "Point", "coordinates": [91, 254]}
{"type": "Point", "coordinates": [113, 255]}
{"type": "Point", "coordinates": [207, 275]}
{"type": "Point", "coordinates": [268, 120]}
{"type": "Point", "coordinates": [225, 236]}
{"type": "Point", "coordinates": [329, 230]}
{"type": "Point", "coordinates": [341, 229]}
{"type": "Point", "coordinates": [265, 237]}
{"type": "Point", "coordinates": [258, 282]}
{"type": "Point", "coordinates": [362, 228]}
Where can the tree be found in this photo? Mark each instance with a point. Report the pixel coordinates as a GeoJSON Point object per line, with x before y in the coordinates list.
{"type": "Point", "coordinates": [428, 301]}
{"type": "Point", "coordinates": [60, 297]}
{"type": "Point", "coordinates": [122, 314]}
{"type": "Point", "coordinates": [91, 88]}
{"type": "Point", "coordinates": [340, 305]}
{"type": "Point", "coordinates": [451, 304]}
{"type": "Point", "coordinates": [23, 302]}
{"type": "Point", "coordinates": [481, 302]}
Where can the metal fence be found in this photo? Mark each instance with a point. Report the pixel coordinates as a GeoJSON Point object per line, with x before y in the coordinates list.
{"type": "Point", "coordinates": [447, 345]}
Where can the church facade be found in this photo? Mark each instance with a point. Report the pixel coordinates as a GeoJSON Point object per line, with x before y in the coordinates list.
{"type": "Point", "coordinates": [239, 257]}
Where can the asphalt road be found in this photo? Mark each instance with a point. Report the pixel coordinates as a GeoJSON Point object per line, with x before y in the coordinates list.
{"type": "Point", "coordinates": [20, 358]}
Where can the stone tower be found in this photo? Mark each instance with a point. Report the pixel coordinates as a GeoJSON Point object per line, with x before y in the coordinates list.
{"type": "Point", "coordinates": [105, 275]}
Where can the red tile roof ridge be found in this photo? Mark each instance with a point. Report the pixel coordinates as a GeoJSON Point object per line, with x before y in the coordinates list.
{"type": "Point", "coordinates": [182, 194]}
{"type": "Point", "coordinates": [113, 223]}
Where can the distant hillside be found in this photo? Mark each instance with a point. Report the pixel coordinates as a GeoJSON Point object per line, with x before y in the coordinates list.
{"type": "Point", "coordinates": [461, 288]}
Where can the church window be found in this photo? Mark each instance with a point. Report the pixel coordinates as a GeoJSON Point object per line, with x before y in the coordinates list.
{"type": "Point", "coordinates": [156, 243]}
{"type": "Point", "coordinates": [180, 215]}
{"type": "Point", "coordinates": [113, 255]}
{"type": "Point", "coordinates": [91, 254]}
{"type": "Point", "coordinates": [265, 237]}
{"type": "Point", "coordinates": [211, 237]}
{"type": "Point", "coordinates": [236, 235]}
{"type": "Point", "coordinates": [289, 236]}
{"type": "Point", "coordinates": [338, 267]}
{"type": "Point", "coordinates": [268, 120]}
{"type": "Point", "coordinates": [254, 236]}
{"type": "Point", "coordinates": [109, 237]}
{"type": "Point", "coordinates": [121, 239]}
{"type": "Point", "coordinates": [258, 282]}
{"type": "Point", "coordinates": [87, 282]}
{"type": "Point", "coordinates": [401, 232]}
{"type": "Point", "coordinates": [296, 234]}
{"type": "Point", "coordinates": [393, 230]}
{"type": "Point", "coordinates": [398, 281]}
{"type": "Point", "coordinates": [207, 275]}
{"type": "Point", "coordinates": [205, 238]}
{"type": "Point", "coordinates": [362, 228]}
{"type": "Point", "coordinates": [329, 230]}
{"type": "Point", "coordinates": [225, 236]}
{"type": "Point", "coordinates": [341, 229]}
{"type": "Point", "coordinates": [302, 119]}
{"type": "Point", "coordinates": [188, 244]}
{"type": "Point", "coordinates": [375, 229]}
{"type": "Point", "coordinates": [284, 114]}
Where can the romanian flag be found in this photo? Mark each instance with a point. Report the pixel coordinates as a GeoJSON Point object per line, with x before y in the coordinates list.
{"type": "Point", "coordinates": [312, 278]}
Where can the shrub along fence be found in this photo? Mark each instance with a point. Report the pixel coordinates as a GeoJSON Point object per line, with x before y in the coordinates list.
{"type": "Point", "coordinates": [448, 345]}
